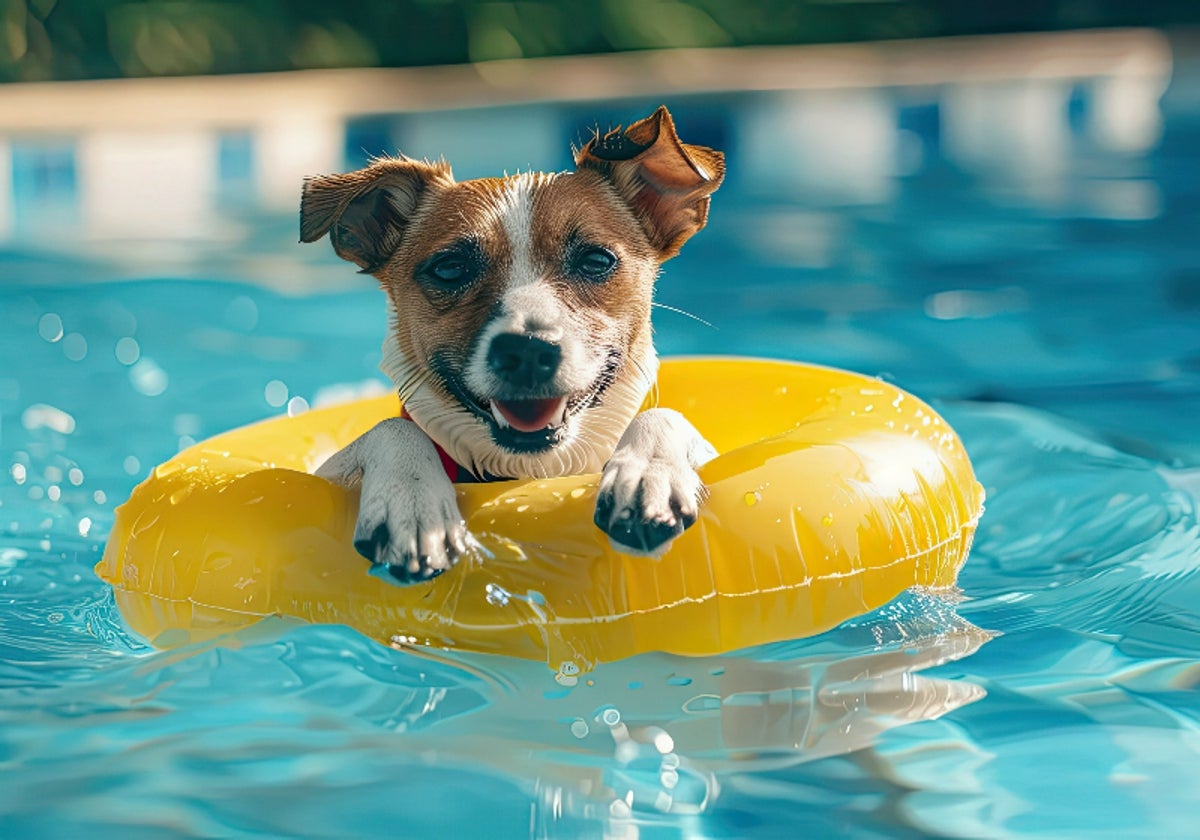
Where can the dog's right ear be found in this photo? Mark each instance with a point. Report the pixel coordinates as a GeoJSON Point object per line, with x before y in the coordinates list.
{"type": "Point", "coordinates": [366, 212]}
{"type": "Point", "coordinates": [667, 183]}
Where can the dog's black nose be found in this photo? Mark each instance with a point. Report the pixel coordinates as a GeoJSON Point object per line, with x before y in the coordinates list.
{"type": "Point", "coordinates": [523, 360]}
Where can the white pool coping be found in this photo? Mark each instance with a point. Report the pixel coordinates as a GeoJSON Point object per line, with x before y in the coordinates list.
{"type": "Point", "coordinates": [241, 100]}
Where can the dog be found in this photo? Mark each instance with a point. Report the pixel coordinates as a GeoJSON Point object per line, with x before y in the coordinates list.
{"type": "Point", "coordinates": [519, 337]}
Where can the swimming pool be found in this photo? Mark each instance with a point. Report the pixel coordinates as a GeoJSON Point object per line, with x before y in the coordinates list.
{"type": "Point", "coordinates": [1022, 252]}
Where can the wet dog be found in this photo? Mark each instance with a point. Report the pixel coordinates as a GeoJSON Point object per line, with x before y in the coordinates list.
{"type": "Point", "coordinates": [519, 337]}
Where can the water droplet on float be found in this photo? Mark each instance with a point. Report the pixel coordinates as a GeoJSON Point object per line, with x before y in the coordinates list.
{"type": "Point", "coordinates": [497, 596]}
{"type": "Point", "coordinates": [752, 498]}
{"type": "Point", "coordinates": [577, 492]}
{"type": "Point", "coordinates": [827, 520]}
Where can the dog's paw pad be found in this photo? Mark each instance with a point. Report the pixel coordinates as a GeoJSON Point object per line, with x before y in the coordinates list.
{"type": "Point", "coordinates": [375, 546]}
{"type": "Point", "coordinates": [405, 574]}
{"type": "Point", "coordinates": [645, 536]}
{"type": "Point", "coordinates": [644, 506]}
{"type": "Point", "coordinates": [407, 541]}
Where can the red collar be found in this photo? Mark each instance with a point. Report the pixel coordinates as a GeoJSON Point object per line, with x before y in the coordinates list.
{"type": "Point", "coordinates": [454, 470]}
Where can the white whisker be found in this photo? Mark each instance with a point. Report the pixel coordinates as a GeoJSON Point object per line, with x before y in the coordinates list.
{"type": "Point", "coordinates": [682, 312]}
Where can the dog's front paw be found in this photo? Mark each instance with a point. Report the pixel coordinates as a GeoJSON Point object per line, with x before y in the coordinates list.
{"type": "Point", "coordinates": [413, 532]}
{"type": "Point", "coordinates": [644, 503]}
{"type": "Point", "coordinates": [408, 518]}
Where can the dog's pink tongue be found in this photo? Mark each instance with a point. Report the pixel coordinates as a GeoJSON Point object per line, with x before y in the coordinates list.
{"type": "Point", "coordinates": [532, 415]}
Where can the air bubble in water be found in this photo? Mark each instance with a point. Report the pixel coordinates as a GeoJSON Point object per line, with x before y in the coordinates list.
{"type": "Point", "coordinates": [147, 377]}
{"type": "Point", "coordinates": [128, 351]}
{"type": "Point", "coordinates": [42, 416]}
{"type": "Point", "coordinates": [276, 393]}
{"type": "Point", "coordinates": [75, 347]}
{"type": "Point", "coordinates": [50, 327]}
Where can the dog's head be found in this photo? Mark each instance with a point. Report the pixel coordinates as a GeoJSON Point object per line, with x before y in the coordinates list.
{"type": "Point", "coordinates": [520, 335]}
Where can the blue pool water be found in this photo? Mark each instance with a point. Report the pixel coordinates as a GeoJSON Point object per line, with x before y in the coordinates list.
{"type": "Point", "coordinates": [1053, 316]}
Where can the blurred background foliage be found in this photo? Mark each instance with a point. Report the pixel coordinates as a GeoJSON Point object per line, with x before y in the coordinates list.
{"type": "Point", "coordinates": [78, 39]}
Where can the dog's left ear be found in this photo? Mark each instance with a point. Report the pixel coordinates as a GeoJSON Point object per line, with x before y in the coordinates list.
{"type": "Point", "coordinates": [667, 183]}
{"type": "Point", "coordinates": [366, 212]}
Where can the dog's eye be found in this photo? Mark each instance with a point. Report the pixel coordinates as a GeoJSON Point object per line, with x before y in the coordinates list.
{"type": "Point", "coordinates": [594, 263]}
{"type": "Point", "coordinates": [450, 269]}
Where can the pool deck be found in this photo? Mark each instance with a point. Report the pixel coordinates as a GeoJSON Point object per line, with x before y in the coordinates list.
{"type": "Point", "coordinates": [248, 100]}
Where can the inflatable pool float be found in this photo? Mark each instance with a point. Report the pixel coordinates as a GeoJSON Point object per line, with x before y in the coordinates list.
{"type": "Point", "coordinates": [834, 492]}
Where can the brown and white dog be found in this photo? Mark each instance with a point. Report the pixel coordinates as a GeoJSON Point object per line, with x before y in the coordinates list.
{"type": "Point", "coordinates": [520, 337]}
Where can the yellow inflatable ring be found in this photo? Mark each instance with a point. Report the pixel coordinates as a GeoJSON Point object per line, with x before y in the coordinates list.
{"type": "Point", "coordinates": [834, 493]}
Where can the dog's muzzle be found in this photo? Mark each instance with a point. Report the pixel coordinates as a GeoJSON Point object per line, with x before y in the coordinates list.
{"type": "Point", "coordinates": [526, 366]}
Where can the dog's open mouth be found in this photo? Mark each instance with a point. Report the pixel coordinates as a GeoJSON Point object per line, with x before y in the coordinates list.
{"type": "Point", "coordinates": [530, 415]}
{"type": "Point", "coordinates": [533, 424]}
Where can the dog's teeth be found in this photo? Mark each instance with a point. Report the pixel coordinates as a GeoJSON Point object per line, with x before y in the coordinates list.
{"type": "Point", "coordinates": [501, 421]}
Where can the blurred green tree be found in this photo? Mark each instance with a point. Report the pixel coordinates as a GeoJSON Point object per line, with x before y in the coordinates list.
{"type": "Point", "coordinates": [78, 39]}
